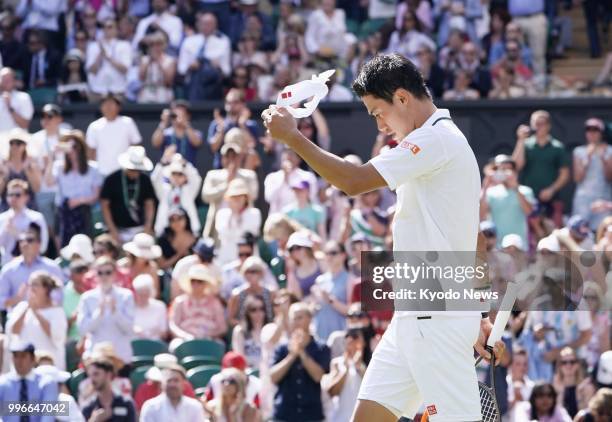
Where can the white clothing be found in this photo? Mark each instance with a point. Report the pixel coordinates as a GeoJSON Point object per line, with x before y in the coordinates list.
{"type": "Point", "coordinates": [22, 104]}
{"type": "Point", "coordinates": [217, 49]}
{"type": "Point", "coordinates": [20, 222]}
{"type": "Point", "coordinates": [182, 267]}
{"type": "Point", "coordinates": [111, 138]}
{"type": "Point", "coordinates": [437, 180]}
{"type": "Point", "coordinates": [108, 78]}
{"type": "Point", "coordinates": [278, 192]}
{"type": "Point", "coordinates": [409, 43]}
{"type": "Point", "coordinates": [151, 322]}
{"type": "Point", "coordinates": [231, 229]}
{"type": "Point", "coordinates": [171, 24]}
{"type": "Point", "coordinates": [41, 145]}
{"type": "Point", "coordinates": [380, 9]}
{"type": "Point", "coordinates": [339, 93]}
{"type": "Point", "coordinates": [74, 412]}
{"type": "Point", "coordinates": [330, 32]}
{"type": "Point", "coordinates": [427, 361]}
{"type": "Point", "coordinates": [160, 409]}
{"type": "Point", "coordinates": [344, 403]}
{"type": "Point", "coordinates": [32, 331]}
{"type": "Point", "coordinates": [167, 196]}
{"type": "Point", "coordinates": [40, 14]}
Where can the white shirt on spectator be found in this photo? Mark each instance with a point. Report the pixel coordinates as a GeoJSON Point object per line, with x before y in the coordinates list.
{"type": "Point", "coordinates": [278, 192]}
{"type": "Point", "coordinates": [171, 24]}
{"type": "Point", "coordinates": [116, 327]}
{"type": "Point", "coordinates": [108, 78]}
{"type": "Point", "coordinates": [111, 138]}
{"type": "Point", "coordinates": [339, 93]}
{"type": "Point", "coordinates": [41, 145]}
{"type": "Point", "coordinates": [32, 331]}
{"type": "Point", "coordinates": [217, 49]}
{"type": "Point", "coordinates": [381, 9]}
{"type": "Point", "coordinates": [22, 104]}
{"type": "Point", "coordinates": [160, 409]}
{"type": "Point", "coordinates": [325, 31]}
{"type": "Point", "coordinates": [21, 222]}
{"type": "Point", "coordinates": [151, 322]}
{"type": "Point", "coordinates": [40, 14]}
{"type": "Point", "coordinates": [231, 228]}
{"type": "Point", "coordinates": [409, 43]}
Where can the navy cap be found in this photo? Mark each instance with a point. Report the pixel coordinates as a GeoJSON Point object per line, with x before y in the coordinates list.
{"type": "Point", "coordinates": [205, 247]}
{"type": "Point", "coordinates": [578, 225]}
{"type": "Point", "coordinates": [22, 346]}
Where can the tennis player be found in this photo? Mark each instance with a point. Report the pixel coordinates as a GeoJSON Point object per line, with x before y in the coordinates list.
{"type": "Point", "coordinates": [423, 357]}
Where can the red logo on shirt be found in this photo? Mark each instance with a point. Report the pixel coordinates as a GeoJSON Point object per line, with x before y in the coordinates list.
{"type": "Point", "coordinates": [286, 95]}
{"type": "Point", "coordinates": [415, 149]}
{"type": "Point", "coordinates": [431, 409]}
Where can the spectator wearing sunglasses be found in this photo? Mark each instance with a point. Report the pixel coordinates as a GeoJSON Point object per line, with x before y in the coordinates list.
{"type": "Point", "coordinates": [106, 313]}
{"type": "Point", "coordinates": [569, 374]}
{"type": "Point", "coordinates": [252, 270]}
{"type": "Point", "coordinates": [246, 336]}
{"type": "Point", "coordinates": [15, 274]}
{"type": "Point", "coordinates": [232, 404]}
{"type": "Point", "coordinates": [17, 219]}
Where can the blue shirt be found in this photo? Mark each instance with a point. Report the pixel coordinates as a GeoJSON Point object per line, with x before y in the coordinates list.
{"type": "Point", "coordinates": [17, 272]}
{"type": "Point", "coordinates": [328, 319]}
{"type": "Point", "coordinates": [518, 8]}
{"type": "Point", "coordinates": [229, 124]}
{"type": "Point", "coordinates": [183, 146]}
{"type": "Point", "coordinates": [299, 397]}
{"type": "Point", "coordinates": [40, 388]}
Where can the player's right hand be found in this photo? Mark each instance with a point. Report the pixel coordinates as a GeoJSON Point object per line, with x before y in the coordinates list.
{"type": "Point", "coordinates": [483, 336]}
{"type": "Point", "coordinates": [280, 123]}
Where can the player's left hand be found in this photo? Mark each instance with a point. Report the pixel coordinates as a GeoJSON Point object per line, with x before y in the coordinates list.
{"type": "Point", "coordinates": [280, 123]}
{"type": "Point", "coordinates": [483, 336]}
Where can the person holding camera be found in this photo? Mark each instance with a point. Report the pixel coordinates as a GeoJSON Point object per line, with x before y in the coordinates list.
{"type": "Point", "coordinates": [508, 203]}
{"type": "Point", "coordinates": [175, 129]}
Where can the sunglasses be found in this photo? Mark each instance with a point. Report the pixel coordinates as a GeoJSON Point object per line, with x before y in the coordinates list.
{"type": "Point", "coordinates": [294, 248]}
{"type": "Point", "coordinates": [356, 315]}
{"type": "Point", "coordinates": [592, 129]}
{"type": "Point", "coordinates": [332, 253]}
{"type": "Point", "coordinates": [257, 309]}
{"type": "Point", "coordinates": [229, 381]}
{"type": "Point", "coordinates": [244, 254]}
{"type": "Point", "coordinates": [569, 362]}
{"type": "Point", "coordinates": [253, 271]}
{"type": "Point", "coordinates": [195, 280]}
{"type": "Point", "coordinates": [14, 195]}
{"type": "Point", "coordinates": [105, 273]}
{"type": "Point", "coordinates": [28, 239]}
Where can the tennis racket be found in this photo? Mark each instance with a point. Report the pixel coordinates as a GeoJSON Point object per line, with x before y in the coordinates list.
{"type": "Point", "coordinates": [488, 401]}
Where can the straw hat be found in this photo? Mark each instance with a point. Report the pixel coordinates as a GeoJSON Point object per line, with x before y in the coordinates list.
{"type": "Point", "coordinates": [143, 246]}
{"type": "Point", "coordinates": [198, 272]}
{"type": "Point", "coordinates": [135, 158]}
{"type": "Point", "coordinates": [80, 245]}
{"type": "Point", "coordinates": [237, 187]}
{"type": "Point", "coordinates": [105, 350]}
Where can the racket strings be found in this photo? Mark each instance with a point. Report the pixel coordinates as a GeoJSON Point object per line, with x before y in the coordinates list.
{"type": "Point", "coordinates": [488, 404]}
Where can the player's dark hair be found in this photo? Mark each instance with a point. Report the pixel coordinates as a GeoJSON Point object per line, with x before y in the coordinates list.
{"type": "Point", "coordinates": [386, 73]}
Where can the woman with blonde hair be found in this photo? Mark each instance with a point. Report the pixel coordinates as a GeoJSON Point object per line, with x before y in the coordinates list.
{"type": "Point", "coordinates": [569, 374]}
{"type": "Point", "coordinates": [600, 339]}
{"type": "Point", "coordinates": [38, 320]}
{"type": "Point", "coordinates": [252, 270]}
{"type": "Point", "coordinates": [19, 166]}
{"type": "Point", "coordinates": [232, 405]}
{"type": "Point", "coordinates": [156, 71]}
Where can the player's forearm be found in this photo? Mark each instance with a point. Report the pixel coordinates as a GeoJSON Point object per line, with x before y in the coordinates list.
{"type": "Point", "coordinates": [337, 171]}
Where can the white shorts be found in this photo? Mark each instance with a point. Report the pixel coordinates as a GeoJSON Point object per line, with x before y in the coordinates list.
{"type": "Point", "coordinates": [426, 361]}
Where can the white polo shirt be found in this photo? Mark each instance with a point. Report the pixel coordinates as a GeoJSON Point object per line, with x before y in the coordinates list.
{"type": "Point", "coordinates": [111, 138]}
{"type": "Point", "coordinates": [437, 180]}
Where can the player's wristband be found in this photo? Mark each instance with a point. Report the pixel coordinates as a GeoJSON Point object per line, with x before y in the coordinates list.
{"type": "Point", "coordinates": [484, 315]}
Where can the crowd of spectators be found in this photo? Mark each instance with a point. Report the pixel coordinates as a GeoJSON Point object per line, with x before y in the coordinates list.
{"type": "Point", "coordinates": [101, 247]}
{"type": "Point", "coordinates": [159, 51]}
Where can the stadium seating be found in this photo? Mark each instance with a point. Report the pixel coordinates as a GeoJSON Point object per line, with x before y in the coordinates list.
{"type": "Point", "coordinates": [199, 352]}
{"type": "Point", "coordinates": [144, 351]}
{"type": "Point", "coordinates": [201, 375]}
{"type": "Point", "coordinates": [137, 376]}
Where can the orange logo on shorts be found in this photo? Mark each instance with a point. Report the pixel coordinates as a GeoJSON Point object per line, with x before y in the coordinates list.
{"type": "Point", "coordinates": [431, 409]}
{"type": "Point", "coordinates": [412, 147]}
